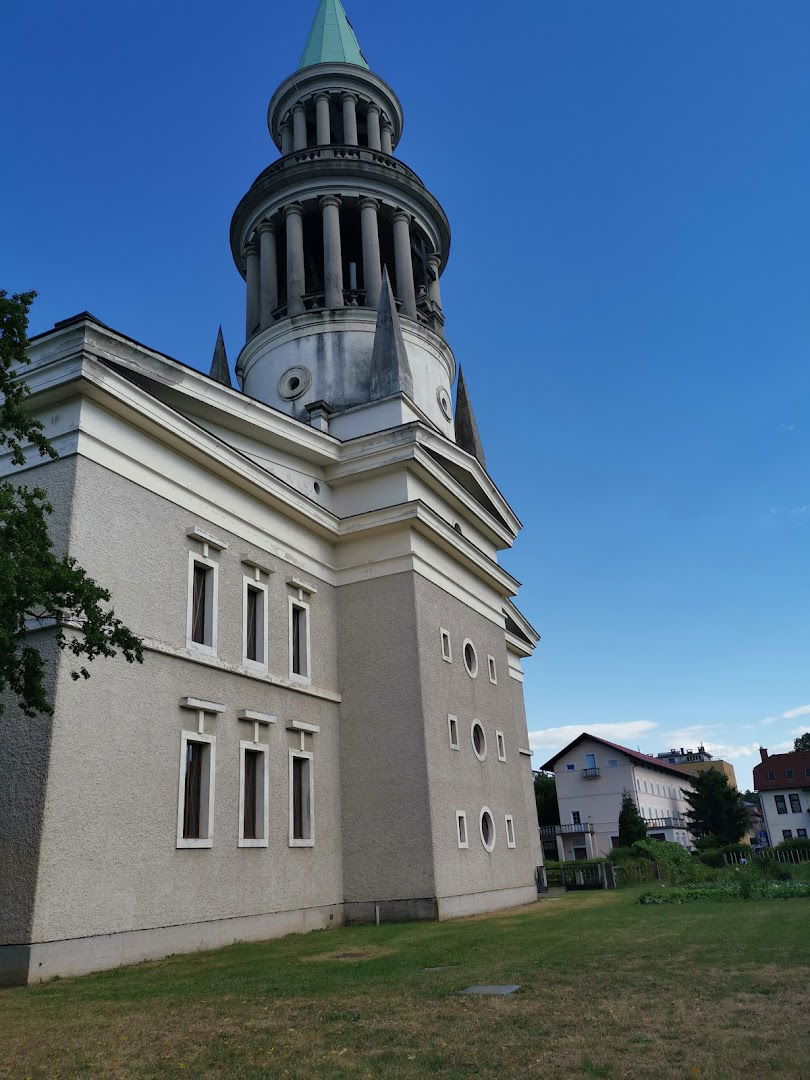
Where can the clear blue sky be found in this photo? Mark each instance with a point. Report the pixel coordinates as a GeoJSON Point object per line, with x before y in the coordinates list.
{"type": "Point", "coordinates": [628, 292]}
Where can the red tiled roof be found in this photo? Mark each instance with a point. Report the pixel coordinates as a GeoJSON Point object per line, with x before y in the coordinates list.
{"type": "Point", "coordinates": [641, 759]}
{"type": "Point", "coordinates": [779, 764]}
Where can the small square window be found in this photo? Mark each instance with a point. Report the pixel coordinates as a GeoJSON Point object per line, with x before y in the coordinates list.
{"type": "Point", "coordinates": [201, 624]}
{"type": "Point", "coordinates": [499, 739]}
{"type": "Point", "coordinates": [789, 774]}
{"type": "Point", "coordinates": [795, 804]}
{"type": "Point", "coordinates": [254, 628]}
{"type": "Point", "coordinates": [510, 831]}
{"type": "Point", "coordinates": [299, 641]}
{"type": "Point", "coordinates": [570, 768]}
{"type": "Point", "coordinates": [447, 649]}
{"type": "Point", "coordinates": [771, 776]}
{"type": "Point", "coordinates": [802, 833]}
{"type": "Point", "coordinates": [461, 829]}
{"type": "Point", "coordinates": [452, 726]}
{"type": "Point", "coordinates": [493, 674]}
{"type": "Point", "coordinates": [787, 834]}
{"type": "Point", "coordinates": [195, 813]}
{"type": "Point", "coordinates": [253, 813]}
{"type": "Point", "coordinates": [302, 833]}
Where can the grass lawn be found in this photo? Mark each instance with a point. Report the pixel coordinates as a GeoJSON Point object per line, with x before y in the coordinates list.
{"type": "Point", "coordinates": [609, 988]}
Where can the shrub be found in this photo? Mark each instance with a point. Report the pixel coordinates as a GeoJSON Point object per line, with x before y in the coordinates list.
{"type": "Point", "coordinates": [798, 843]}
{"type": "Point", "coordinates": [747, 886]}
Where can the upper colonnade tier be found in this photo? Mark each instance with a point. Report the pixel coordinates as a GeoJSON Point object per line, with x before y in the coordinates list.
{"type": "Point", "coordinates": [362, 108]}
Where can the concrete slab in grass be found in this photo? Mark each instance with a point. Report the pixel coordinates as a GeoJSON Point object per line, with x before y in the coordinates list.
{"type": "Point", "coordinates": [501, 991]}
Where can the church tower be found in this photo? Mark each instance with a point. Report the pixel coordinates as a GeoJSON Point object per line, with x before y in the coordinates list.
{"type": "Point", "coordinates": [317, 234]}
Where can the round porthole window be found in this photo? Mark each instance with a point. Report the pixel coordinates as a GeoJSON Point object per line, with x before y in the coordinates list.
{"type": "Point", "coordinates": [470, 658]}
{"type": "Point", "coordinates": [294, 382]}
{"type": "Point", "coordinates": [479, 740]}
{"type": "Point", "coordinates": [487, 829]}
{"type": "Point", "coordinates": [444, 402]}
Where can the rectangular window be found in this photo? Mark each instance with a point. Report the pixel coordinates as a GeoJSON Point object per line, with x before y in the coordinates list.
{"type": "Point", "coordinates": [795, 804]}
{"type": "Point", "coordinates": [510, 831]}
{"type": "Point", "coordinates": [802, 833]}
{"type": "Point", "coordinates": [575, 817]}
{"type": "Point", "coordinates": [590, 761]}
{"type": "Point", "coordinates": [201, 625]}
{"type": "Point", "coordinates": [299, 640]}
{"type": "Point", "coordinates": [452, 725]}
{"type": "Point", "coordinates": [781, 806]}
{"type": "Point", "coordinates": [461, 829]}
{"type": "Point", "coordinates": [253, 816]}
{"type": "Point", "coordinates": [254, 631]}
{"type": "Point", "coordinates": [789, 774]}
{"type": "Point", "coordinates": [447, 651]}
{"type": "Point", "coordinates": [613, 763]}
{"type": "Point", "coordinates": [570, 768]}
{"type": "Point", "coordinates": [499, 739]}
{"type": "Point", "coordinates": [195, 813]}
{"type": "Point", "coordinates": [787, 834]}
{"type": "Point", "coordinates": [771, 775]}
{"type": "Point", "coordinates": [493, 674]}
{"type": "Point", "coordinates": [301, 817]}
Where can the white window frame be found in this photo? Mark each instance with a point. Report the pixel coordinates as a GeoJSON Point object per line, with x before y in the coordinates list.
{"type": "Point", "coordinates": [486, 810]}
{"type": "Point", "coordinates": [444, 638]}
{"type": "Point", "coordinates": [310, 841]}
{"type": "Point", "coordinates": [264, 815]}
{"type": "Point", "coordinates": [474, 672]}
{"type": "Point", "coordinates": [259, 586]}
{"type": "Point", "coordinates": [452, 731]}
{"type": "Point", "coordinates": [461, 821]}
{"type": "Point", "coordinates": [197, 646]}
{"type": "Point", "coordinates": [492, 670]}
{"type": "Point", "coordinates": [473, 726]}
{"type": "Point", "coordinates": [500, 743]}
{"type": "Point", "coordinates": [204, 841]}
{"type": "Point", "coordinates": [510, 831]}
{"type": "Point", "coordinates": [294, 602]}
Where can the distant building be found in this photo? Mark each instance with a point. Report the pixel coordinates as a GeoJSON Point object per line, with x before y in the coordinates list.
{"type": "Point", "coordinates": [698, 761]}
{"type": "Point", "coordinates": [783, 783]}
{"type": "Point", "coordinates": [591, 775]}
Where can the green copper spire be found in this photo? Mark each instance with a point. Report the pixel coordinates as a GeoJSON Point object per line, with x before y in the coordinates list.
{"type": "Point", "coordinates": [331, 39]}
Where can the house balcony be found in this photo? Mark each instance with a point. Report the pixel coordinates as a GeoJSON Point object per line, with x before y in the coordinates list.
{"type": "Point", "coordinates": [666, 823]}
{"type": "Point", "coordinates": [591, 774]}
{"type": "Point", "coordinates": [550, 831]}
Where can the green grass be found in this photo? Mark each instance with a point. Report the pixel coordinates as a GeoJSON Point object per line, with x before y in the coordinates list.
{"type": "Point", "coordinates": [609, 988]}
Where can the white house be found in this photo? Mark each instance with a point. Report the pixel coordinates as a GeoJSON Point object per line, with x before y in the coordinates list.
{"type": "Point", "coordinates": [591, 775]}
{"type": "Point", "coordinates": [783, 783]}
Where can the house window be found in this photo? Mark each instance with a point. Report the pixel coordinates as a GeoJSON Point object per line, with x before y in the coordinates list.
{"type": "Point", "coordinates": [195, 814]}
{"type": "Point", "coordinates": [570, 767]}
{"type": "Point", "coordinates": [771, 776]}
{"type": "Point", "coordinates": [789, 774]}
{"type": "Point", "coordinates": [576, 818]}
{"type": "Point", "coordinates": [447, 651]}
{"type": "Point", "coordinates": [807, 772]}
{"type": "Point", "coordinates": [510, 831]}
{"type": "Point", "coordinates": [787, 834]}
{"type": "Point", "coordinates": [487, 827]}
{"type": "Point", "coordinates": [499, 739]}
{"type": "Point", "coordinates": [781, 807]}
{"type": "Point", "coordinates": [452, 725]}
{"type": "Point", "coordinates": [493, 674]}
{"type": "Point", "coordinates": [479, 740]}
{"type": "Point", "coordinates": [253, 815]}
{"type": "Point", "coordinates": [254, 630]}
{"type": "Point", "coordinates": [802, 833]}
{"type": "Point", "coordinates": [299, 640]}
{"type": "Point", "coordinates": [201, 626]}
{"type": "Point", "coordinates": [613, 763]}
{"type": "Point", "coordinates": [461, 829]}
{"type": "Point", "coordinates": [795, 804]}
{"type": "Point", "coordinates": [590, 761]}
{"type": "Point", "coordinates": [470, 659]}
{"type": "Point", "coordinates": [301, 799]}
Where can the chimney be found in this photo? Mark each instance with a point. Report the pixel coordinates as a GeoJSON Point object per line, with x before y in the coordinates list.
{"type": "Point", "coordinates": [763, 753]}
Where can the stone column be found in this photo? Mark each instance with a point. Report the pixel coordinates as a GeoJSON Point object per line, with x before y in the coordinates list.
{"type": "Point", "coordinates": [373, 122]}
{"type": "Point", "coordinates": [299, 127]}
{"type": "Point", "coordinates": [252, 279]}
{"type": "Point", "coordinates": [286, 137]}
{"type": "Point", "coordinates": [387, 138]}
{"type": "Point", "coordinates": [404, 263]}
{"type": "Point", "coordinates": [349, 119]}
{"type": "Point", "coordinates": [434, 261]}
{"type": "Point", "coordinates": [332, 253]}
{"type": "Point", "coordinates": [370, 229]}
{"type": "Point", "coordinates": [268, 274]}
{"type": "Point", "coordinates": [296, 282]}
{"type": "Point", "coordinates": [322, 119]}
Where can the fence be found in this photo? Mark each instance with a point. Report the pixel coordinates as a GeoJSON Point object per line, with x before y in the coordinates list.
{"type": "Point", "coordinates": [789, 855]}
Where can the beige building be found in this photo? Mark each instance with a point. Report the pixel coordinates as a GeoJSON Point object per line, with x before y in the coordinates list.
{"type": "Point", "coordinates": [698, 761]}
{"type": "Point", "coordinates": [329, 723]}
{"type": "Point", "coordinates": [591, 775]}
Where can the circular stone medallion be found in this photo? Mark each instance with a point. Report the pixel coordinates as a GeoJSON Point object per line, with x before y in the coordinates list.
{"type": "Point", "coordinates": [294, 382]}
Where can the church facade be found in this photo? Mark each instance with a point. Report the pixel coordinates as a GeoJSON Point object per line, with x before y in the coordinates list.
{"type": "Point", "coordinates": [329, 723]}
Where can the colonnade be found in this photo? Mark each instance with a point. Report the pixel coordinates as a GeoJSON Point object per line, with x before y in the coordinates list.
{"type": "Point", "coordinates": [294, 130]}
{"type": "Point", "coordinates": [262, 263]}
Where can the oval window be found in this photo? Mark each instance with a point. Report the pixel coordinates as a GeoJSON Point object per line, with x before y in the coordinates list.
{"type": "Point", "coordinates": [479, 740]}
{"type": "Point", "coordinates": [470, 658]}
{"type": "Point", "coordinates": [487, 829]}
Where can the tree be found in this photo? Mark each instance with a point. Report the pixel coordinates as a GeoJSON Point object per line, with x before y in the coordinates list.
{"type": "Point", "coordinates": [802, 742]}
{"type": "Point", "coordinates": [631, 823]}
{"type": "Point", "coordinates": [716, 808]}
{"type": "Point", "coordinates": [545, 796]}
{"type": "Point", "coordinates": [36, 586]}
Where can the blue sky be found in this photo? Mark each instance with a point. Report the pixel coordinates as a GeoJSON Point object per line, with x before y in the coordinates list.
{"type": "Point", "coordinates": [628, 292]}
